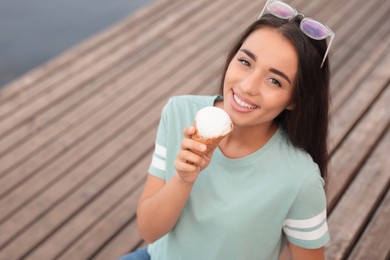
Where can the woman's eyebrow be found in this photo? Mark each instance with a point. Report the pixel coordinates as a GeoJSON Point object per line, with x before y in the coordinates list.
{"type": "Point", "coordinates": [278, 72]}
{"type": "Point", "coordinates": [249, 53]}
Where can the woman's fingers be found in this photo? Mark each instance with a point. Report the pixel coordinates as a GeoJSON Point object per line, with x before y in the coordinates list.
{"type": "Point", "coordinates": [189, 131]}
{"type": "Point", "coordinates": [189, 144]}
{"type": "Point", "coordinates": [187, 165]}
{"type": "Point", "coordinates": [182, 166]}
{"type": "Point", "coordinates": [189, 157]}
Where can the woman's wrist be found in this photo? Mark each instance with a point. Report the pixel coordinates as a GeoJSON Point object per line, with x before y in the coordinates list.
{"type": "Point", "coordinates": [182, 181]}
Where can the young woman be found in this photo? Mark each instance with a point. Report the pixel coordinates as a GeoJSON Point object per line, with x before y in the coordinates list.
{"type": "Point", "coordinates": [263, 186]}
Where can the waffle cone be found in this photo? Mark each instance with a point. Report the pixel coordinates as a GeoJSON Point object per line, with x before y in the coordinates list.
{"type": "Point", "coordinates": [209, 142]}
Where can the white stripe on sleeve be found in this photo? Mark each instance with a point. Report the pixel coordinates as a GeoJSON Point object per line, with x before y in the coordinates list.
{"type": "Point", "coordinates": [158, 163]}
{"type": "Point", "coordinates": [161, 151]}
{"type": "Point", "coordinates": [309, 235]}
{"type": "Point", "coordinates": [306, 223]}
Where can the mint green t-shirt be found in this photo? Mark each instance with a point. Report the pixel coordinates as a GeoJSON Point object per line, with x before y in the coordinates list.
{"type": "Point", "coordinates": [239, 208]}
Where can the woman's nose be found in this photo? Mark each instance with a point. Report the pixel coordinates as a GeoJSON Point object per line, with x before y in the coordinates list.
{"type": "Point", "coordinates": [250, 85]}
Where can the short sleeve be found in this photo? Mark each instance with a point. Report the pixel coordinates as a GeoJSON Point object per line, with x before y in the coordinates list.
{"type": "Point", "coordinates": [306, 223]}
{"type": "Point", "coordinates": [157, 167]}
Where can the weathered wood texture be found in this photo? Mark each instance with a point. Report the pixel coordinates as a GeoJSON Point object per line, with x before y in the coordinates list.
{"type": "Point", "coordinates": [77, 133]}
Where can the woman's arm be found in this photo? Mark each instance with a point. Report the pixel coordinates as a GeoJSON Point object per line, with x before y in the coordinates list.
{"type": "Point", "coordinates": [161, 203]}
{"type": "Point", "coordinates": [300, 253]}
{"type": "Point", "coordinates": [160, 206]}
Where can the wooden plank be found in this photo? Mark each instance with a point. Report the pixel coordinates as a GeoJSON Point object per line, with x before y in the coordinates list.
{"type": "Point", "coordinates": [359, 102]}
{"type": "Point", "coordinates": [345, 32]}
{"type": "Point", "coordinates": [374, 243]}
{"type": "Point", "coordinates": [48, 220]}
{"type": "Point", "coordinates": [359, 69]}
{"type": "Point", "coordinates": [347, 35]}
{"type": "Point", "coordinates": [125, 241]}
{"type": "Point", "coordinates": [349, 57]}
{"type": "Point", "coordinates": [354, 32]}
{"type": "Point", "coordinates": [355, 208]}
{"type": "Point", "coordinates": [368, 52]}
{"type": "Point", "coordinates": [107, 227]}
{"type": "Point", "coordinates": [330, 12]}
{"type": "Point", "coordinates": [348, 158]}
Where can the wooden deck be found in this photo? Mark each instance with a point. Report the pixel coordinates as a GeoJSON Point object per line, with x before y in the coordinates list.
{"type": "Point", "coordinates": [77, 133]}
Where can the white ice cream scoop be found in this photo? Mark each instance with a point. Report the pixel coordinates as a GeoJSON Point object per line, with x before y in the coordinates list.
{"type": "Point", "coordinates": [212, 122]}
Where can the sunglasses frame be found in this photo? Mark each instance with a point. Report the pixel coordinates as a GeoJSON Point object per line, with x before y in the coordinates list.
{"type": "Point", "coordinates": [330, 33]}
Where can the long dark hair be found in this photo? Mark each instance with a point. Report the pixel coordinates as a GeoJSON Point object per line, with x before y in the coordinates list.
{"type": "Point", "coordinates": [307, 124]}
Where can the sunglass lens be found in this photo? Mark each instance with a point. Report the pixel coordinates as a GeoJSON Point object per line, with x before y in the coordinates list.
{"type": "Point", "coordinates": [314, 29]}
{"type": "Point", "coordinates": [281, 10]}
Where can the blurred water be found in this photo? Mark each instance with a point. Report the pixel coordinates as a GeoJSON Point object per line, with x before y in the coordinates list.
{"type": "Point", "coordinates": [33, 31]}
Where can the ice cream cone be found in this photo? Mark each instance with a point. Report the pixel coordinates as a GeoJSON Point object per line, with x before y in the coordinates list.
{"type": "Point", "coordinates": [211, 141]}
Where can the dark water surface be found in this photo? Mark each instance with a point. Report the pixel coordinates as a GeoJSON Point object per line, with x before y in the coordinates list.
{"type": "Point", "coordinates": [34, 31]}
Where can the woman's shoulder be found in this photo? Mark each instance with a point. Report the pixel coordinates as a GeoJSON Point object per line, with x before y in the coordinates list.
{"type": "Point", "coordinates": [191, 100]}
{"type": "Point", "coordinates": [182, 109]}
{"type": "Point", "coordinates": [296, 159]}
{"type": "Point", "coordinates": [295, 166]}
{"type": "Point", "coordinates": [187, 105]}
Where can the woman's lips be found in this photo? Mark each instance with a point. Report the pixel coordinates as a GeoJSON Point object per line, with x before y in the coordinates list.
{"type": "Point", "coordinates": [241, 104]}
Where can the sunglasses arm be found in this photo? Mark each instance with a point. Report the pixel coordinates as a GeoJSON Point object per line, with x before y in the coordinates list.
{"type": "Point", "coordinates": [262, 11]}
{"type": "Point", "coordinates": [327, 50]}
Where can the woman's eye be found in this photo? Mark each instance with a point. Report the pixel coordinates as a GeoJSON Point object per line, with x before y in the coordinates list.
{"type": "Point", "coordinates": [275, 82]}
{"type": "Point", "coordinates": [244, 62]}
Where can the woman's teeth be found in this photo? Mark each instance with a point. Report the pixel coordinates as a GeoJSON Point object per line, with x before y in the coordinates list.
{"type": "Point", "coordinates": [243, 104]}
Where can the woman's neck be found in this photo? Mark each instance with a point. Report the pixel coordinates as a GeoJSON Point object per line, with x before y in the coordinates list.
{"type": "Point", "coordinates": [243, 141]}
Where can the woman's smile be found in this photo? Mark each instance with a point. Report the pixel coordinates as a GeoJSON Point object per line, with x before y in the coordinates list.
{"type": "Point", "coordinates": [242, 105]}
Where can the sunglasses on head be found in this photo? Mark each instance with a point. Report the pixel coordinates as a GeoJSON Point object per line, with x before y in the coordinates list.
{"type": "Point", "coordinates": [308, 26]}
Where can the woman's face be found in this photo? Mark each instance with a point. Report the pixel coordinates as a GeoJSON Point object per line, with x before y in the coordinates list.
{"type": "Point", "coordinates": [260, 79]}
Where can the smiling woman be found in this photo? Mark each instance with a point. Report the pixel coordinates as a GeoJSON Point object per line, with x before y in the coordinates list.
{"type": "Point", "coordinates": [34, 31]}
{"type": "Point", "coordinates": [263, 186]}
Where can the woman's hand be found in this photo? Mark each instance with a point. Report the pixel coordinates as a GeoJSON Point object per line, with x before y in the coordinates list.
{"type": "Point", "coordinates": [188, 164]}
